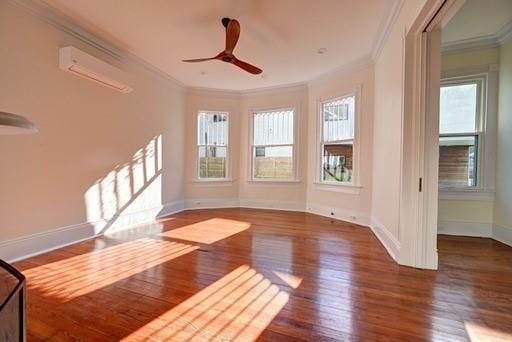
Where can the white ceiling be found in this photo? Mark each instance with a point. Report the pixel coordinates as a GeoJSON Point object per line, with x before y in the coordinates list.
{"type": "Point", "coordinates": [478, 19]}
{"type": "Point", "coordinates": [279, 36]}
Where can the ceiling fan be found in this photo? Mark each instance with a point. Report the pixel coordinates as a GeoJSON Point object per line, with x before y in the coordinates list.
{"type": "Point", "coordinates": [232, 33]}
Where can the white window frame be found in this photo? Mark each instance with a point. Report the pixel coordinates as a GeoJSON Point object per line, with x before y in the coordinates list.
{"type": "Point", "coordinates": [480, 127]}
{"type": "Point", "coordinates": [198, 146]}
{"type": "Point", "coordinates": [295, 174]}
{"type": "Point", "coordinates": [355, 182]}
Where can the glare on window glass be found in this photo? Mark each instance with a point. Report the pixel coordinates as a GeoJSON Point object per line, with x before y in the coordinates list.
{"type": "Point", "coordinates": [458, 108]}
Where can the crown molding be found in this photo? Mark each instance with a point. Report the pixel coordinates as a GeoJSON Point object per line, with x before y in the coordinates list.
{"type": "Point", "coordinates": [503, 36]}
{"type": "Point", "coordinates": [60, 21]}
{"type": "Point", "coordinates": [385, 28]}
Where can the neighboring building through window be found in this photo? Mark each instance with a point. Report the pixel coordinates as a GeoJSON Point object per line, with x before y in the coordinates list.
{"type": "Point", "coordinates": [337, 140]}
{"type": "Point", "coordinates": [212, 144]}
{"type": "Point", "coordinates": [273, 145]}
{"type": "Point", "coordinates": [459, 128]}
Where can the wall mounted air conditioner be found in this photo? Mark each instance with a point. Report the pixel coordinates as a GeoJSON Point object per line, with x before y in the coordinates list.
{"type": "Point", "coordinates": [86, 66]}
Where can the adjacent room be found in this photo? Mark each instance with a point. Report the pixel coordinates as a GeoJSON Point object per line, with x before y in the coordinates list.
{"type": "Point", "coordinates": [256, 170]}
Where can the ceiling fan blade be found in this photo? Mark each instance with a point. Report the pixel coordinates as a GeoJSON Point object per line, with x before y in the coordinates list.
{"type": "Point", "coordinates": [198, 60]}
{"type": "Point", "coordinates": [246, 66]}
{"type": "Point", "coordinates": [232, 35]}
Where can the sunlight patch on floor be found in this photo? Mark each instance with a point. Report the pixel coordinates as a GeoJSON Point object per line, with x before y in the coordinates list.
{"type": "Point", "coordinates": [208, 231]}
{"type": "Point", "coordinates": [73, 277]}
{"type": "Point", "coordinates": [239, 306]}
{"type": "Point", "coordinates": [289, 279]}
{"type": "Point", "coordinates": [480, 333]}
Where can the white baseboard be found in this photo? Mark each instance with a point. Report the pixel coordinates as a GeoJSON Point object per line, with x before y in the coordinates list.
{"type": "Point", "coordinates": [27, 246]}
{"type": "Point", "coordinates": [387, 239]}
{"type": "Point", "coordinates": [31, 245]}
{"type": "Point", "coordinates": [351, 216]}
{"type": "Point", "coordinates": [474, 229]}
{"type": "Point", "coordinates": [502, 234]}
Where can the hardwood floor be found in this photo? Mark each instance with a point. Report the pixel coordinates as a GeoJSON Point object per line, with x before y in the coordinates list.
{"type": "Point", "coordinates": [244, 274]}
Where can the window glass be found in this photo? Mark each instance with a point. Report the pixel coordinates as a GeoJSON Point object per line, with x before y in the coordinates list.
{"type": "Point", "coordinates": [273, 138]}
{"type": "Point", "coordinates": [212, 137]}
{"type": "Point", "coordinates": [457, 161]}
{"type": "Point", "coordinates": [337, 145]}
{"type": "Point", "coordinates": [338, 119]}
{"type": "Point", "coordinates": [458, 109]}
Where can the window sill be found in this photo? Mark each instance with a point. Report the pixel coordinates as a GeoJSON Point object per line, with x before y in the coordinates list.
{"type": "Point", "coordinates": [455, 194]}
{"type": "Point", "coordinates": [274, 181]}
{"type": "Point", "coordinates": [214, 181]}
{"type": "Point", "coordinates": [341, 187]}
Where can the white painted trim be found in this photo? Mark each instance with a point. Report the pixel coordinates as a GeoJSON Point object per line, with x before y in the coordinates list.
{"type": "Point", "coordinates": [347, 215]}
{"type": "Point", "coordinates": [387, 239]}
{"type": "Point", "coordinates": [356, 92]}
{"type": "Point", "coordinates": [344, 188]}
{"type": "Point", "coordinates": [484, 42]}
{"type": "Point", "coordinates": [386, 28]}
{"type": "Point", "coordinates": [296, 110]}
{"type": "Point", "coordinates": [466, 195]}
{"type": "Point", "coordinates": [31, 245]}
{"type": "Point", "coordinates": [474, 229]}
{"type": "Point", "coordinates": [502, 234]}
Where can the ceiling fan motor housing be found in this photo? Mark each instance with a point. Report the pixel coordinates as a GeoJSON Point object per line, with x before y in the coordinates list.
{"type": "Point", "coordinates": [225, 22]}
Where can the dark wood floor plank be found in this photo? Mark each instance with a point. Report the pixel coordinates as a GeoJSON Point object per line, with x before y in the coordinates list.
{"type": "Point", "coordinates": [245, 274]}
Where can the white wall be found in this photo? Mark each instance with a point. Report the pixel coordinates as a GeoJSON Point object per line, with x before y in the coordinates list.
{"type": "Point", "coordinates": [503, 202]}
{"type": "Point", "coordinates": [87, 134]}
{"type": "Point", "coordinates": [345, 202]}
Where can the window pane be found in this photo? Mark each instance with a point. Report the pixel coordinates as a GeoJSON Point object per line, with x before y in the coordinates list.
{"type": "Point", "coordinates": [338, 119]}
{"type": "Point", "coordinates": [458, 108]}
{"type": "Point", "coordinates": [337, 162]}
{"type": "Point", "coordinates": [273, 162]}
{"type": "Point", "coordinates": [457, 161]}
{"type": "Point", "coordinates": [273, 128]}
{"type": "Point", "coordinates": [212, 129]}
{"type": "Point", "coordinates": [212, 162]}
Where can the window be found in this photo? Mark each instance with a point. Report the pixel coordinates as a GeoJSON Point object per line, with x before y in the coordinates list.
{"type": "Point", "coordinates": [273, 145]}
{"type": "Point", "coordinates": [460, 134]}
{"type": "Point", "coordinates": [212, 145]}
{"type": "Point", "coordinates": [337, 140]}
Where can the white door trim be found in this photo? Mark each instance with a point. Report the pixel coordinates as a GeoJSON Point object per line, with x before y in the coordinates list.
{"type": "Point", "coordinates": [420, 144]}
